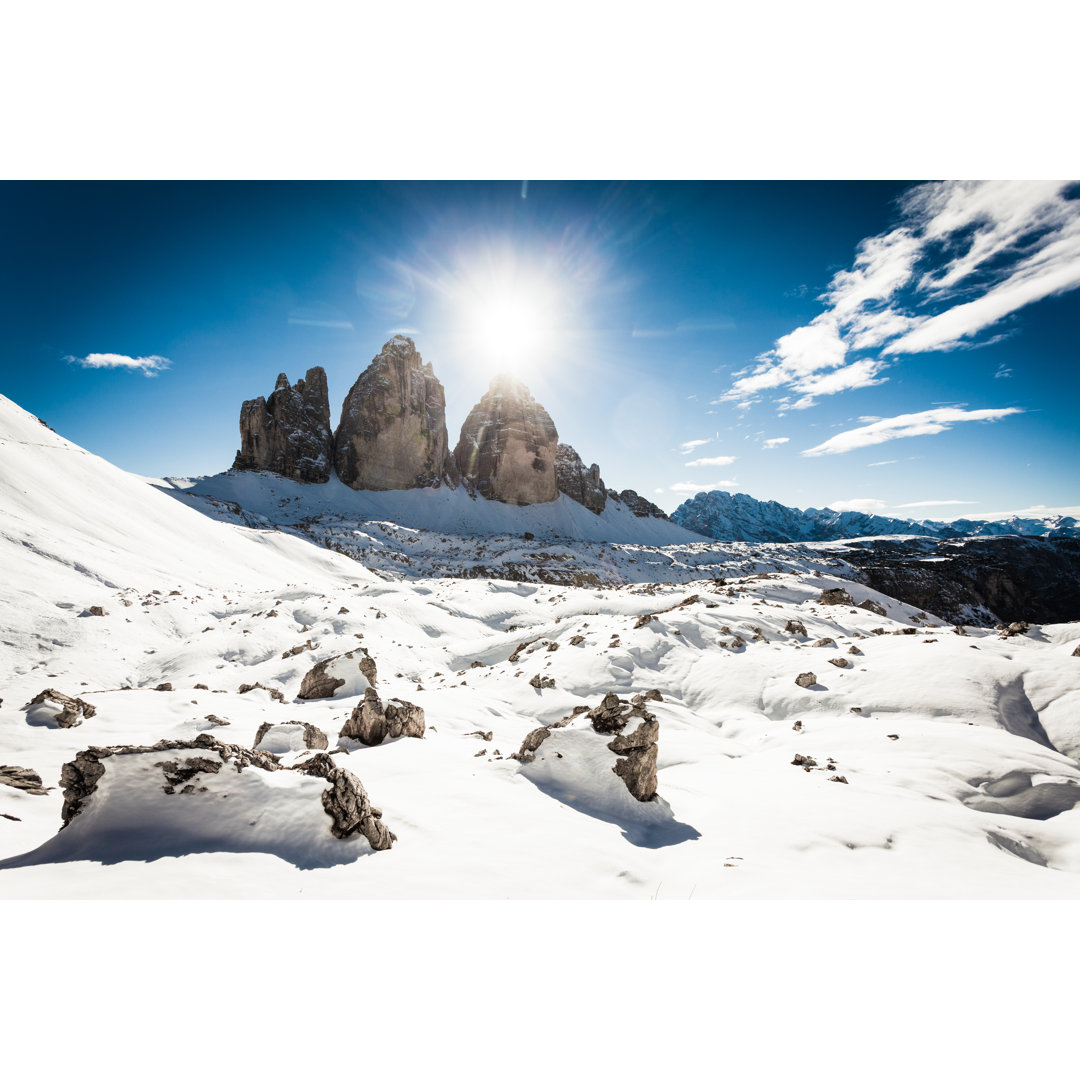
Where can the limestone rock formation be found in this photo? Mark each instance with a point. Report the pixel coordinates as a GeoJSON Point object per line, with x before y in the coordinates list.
{"type": "Point", "coordinates": [289, 735]}
{"type": "Point", "coordinates": [637, 504]}
{"type": "Point", "coordinates": [806, 680]}
{"type": "Point", "coordinates": [371, 722]}
{"type": "Point", "coordinates": [637, 759]}
{"type": "Point", "coordinates": [580, 484]}
{"type": "Point", "coordinates": [289, 433]}
{"type": "Point", "coordinates": [62, 709]}
{"type": "Point", "coordinates": [392, 433]}
{"type": "Point", "coordinates": [836, 596]}
{"type": "Point", "coordinates": [339, 676]}
{"type": "Point", "coordinates": [506, 451]}
{"type": "Point", "coordinates": [348, 804]}
{"type": "Point", "coordinates": [21, 779]}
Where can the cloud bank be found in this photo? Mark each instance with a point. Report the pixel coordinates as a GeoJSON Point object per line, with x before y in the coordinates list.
{"type": "Point", "coordinates": [148, 365]}
{"type": "Point", "coordinates": [716, 461]}
{"type": "Point", "coordinates": [964, 256]}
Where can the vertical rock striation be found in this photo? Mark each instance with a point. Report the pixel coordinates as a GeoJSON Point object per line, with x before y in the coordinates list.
{"type": "Point", "coordinates": [289, 434]}
{"type": "Point", "coordinates": [506, 451]}
{"type": "Point", "coordinates": [392, 433]}
{"type": "Point", "coordinates": [580, 484]}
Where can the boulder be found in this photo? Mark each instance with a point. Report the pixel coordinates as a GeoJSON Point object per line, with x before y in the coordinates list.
{"type": "Point", "coordinates": [289, 433]}
{"type": "Point", "coordinates": [21, 779]}
{"type": "Point", "coordinates": [580, 484]}
{"type": "Point", "coordinates": [806, 679]}
{"type": "Point", "coordinates": [637, 759]}
{"type": "Point", "coordinates": [339, 676]}
{"type": "Point", "coordinates": [285, 737]}
{"type": "Point", "coordinates": [392, 433]}
{"type": "Point", "coordinates": [371, 722]}
{"type": "Point", "coordinates": [506, 451]}
{"type": "Point", "coordinates": [836, 596]}
{"type": "Point", "coordinates": [793, 626]}
{"type": "Point", "coordinates": [348, 804]}
{"type": "Point", "coordinates": [873, 606]}
{"type": "Point", "coordinates": [63, 710]}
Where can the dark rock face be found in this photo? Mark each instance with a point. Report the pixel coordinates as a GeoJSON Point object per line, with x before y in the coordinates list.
{"type": "Point", "coordinates": [392, 433]}
{"type": "Point", "coordinates": [580, 484]}
{"type": "Point", "coordinates": [637, 504]}
{"type": "Point", "coordinates": [506, 451]}
{"type": "Point", "coordinates": [72, 710]}
{"type": "Point", "coordinates": [637, 759]}
{"type": "Point", "coordinates": [836, 596]}
{"type": "Point", "coordinates": [289, 434]}
{"type": "Point", "coordinates": [371, 722]}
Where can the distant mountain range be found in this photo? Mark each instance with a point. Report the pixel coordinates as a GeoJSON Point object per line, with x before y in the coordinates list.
{"type": "Point", "coordinates": [723, 516]}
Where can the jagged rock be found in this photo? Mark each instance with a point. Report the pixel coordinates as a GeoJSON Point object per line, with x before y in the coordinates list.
{"type": "Point", "coordinates": [542, 682]}
{"type": "Point", "coordinates": [607, 717]}
{"type": "Point", "coordinates": [296, 650]}
{"type": "Point", "coordinates": [277, 695]}
{"type": "Point", "coordinates": [1014, 629]}
{"type": "Point", "coordinates": [840, 661]}
{"type": "Point", "coordinates": [823, 643]}
{"type": "Point", "coordinates": [289, 434]}
{"type": "Point", "coordinates": [313, 738]}
{"type": "Point", "coordinates": [577, 639]}
{"type": "Point", "coordinates": [348, 805]}
{"type": "Point", "coordinates": [216, 720]}
{"type": "Point", "coordinates": [200, 686]}
{"type": "Point", "coordinates": [642, 620]}
{"type": "Point", "coordinates": [371, 722]}
{"type": "Point", "coordinates": [854, 650]}
{"type": "Point", "coordinates": [637, 504]}
{"type": "Point", "coordinates": [531, 744]}
{"type": "Point", "coordinates": [72, 710]}
{"type": "Point", "coordinates": [368, 669]}
{"type": "Point", "coordinates": [506, 451]}
{"type": "Point", "coordinates": [343, 672]}
{"type": "Point", "coordinates": [805, 761]}
{"type": "Point", "coordinates": [637, 759]}
{"type": "Point", "coordinates": [21, 779]}
{"type": "Point", "coordinates": [874, 606]}
{"type": "Point", "coordinates": [96, 610]}
{"type": "Point", "coordinates": [392, 432]}
{"type": "Point", "coordinates": [836, 596]}
{"type": "Point", "coordinates": [580, 484]}
{"type": "Point", "coordinates": [795, 627]}
{"type": "Point", "coordinates": [806, 679]}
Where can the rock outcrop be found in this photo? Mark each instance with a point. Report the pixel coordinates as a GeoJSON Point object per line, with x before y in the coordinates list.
{"type": "Point", "coordinates": [637, 759]}
{"type": "Point", "coordinates": [637, 504]}
{"type": "Point", "coordinates": [339, 676]}
{"type": "Point", "coordinates": [506, 451]}
{"type": "Point", "coordinates": [21, 779]}
{"type": "Point", "coordinates": [371, 722]}
{"type": "Point", "coordinates": [62, 709]}
{"type": "Point", "coordinates": [289, 433]}
{"type": "Point", "coordinates": [392, 433]}
{"type": "Point", "coordinates": [289, 735]}
{"type": "Point", "coordinates": [580, 484]}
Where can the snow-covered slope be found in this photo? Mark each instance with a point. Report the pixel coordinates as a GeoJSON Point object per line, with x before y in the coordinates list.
{"type": "Point", "coordinates": [726, 516]}
{"type": "Point", "coordinates": [958, 753]}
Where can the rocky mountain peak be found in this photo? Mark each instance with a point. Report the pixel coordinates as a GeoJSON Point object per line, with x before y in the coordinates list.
{"type": "Point", "coordinates": [580, 484]}
{"type": "Point", "coordinates": [289, 433]}
{"type": "Point", "coordinates": [506, 450]}
{"type": "Point", "coordinates": [392, 433]}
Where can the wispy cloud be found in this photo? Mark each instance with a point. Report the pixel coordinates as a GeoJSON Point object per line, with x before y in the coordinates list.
{"type": "Point", "coordinates": [692, 445]}
{"type": "Point", "coordinates": [930, 422]}
{"type": "Point", "coordinates": [319, 314]}
{"type": "Point", "coordinates": [150, 366]}
{"type": "Point", "coordinates": [686, 487]}
{"type": "Point", "coordinates": [772, 444]}
{"type": "Point", "coordinates": [936, 502]}
{"type": "Point", "coordinates": [875, 464]}
{"type": "Point", "coordinates": [861, 506]}
{"type": "Point", "coordinates": [686, 326]}
{"type": "Point", "coordinates": [964, 256]}
{"type": "Point", "coordinates": [1003, 372]}
{"type": "Point", "coordinates": [718, 462]}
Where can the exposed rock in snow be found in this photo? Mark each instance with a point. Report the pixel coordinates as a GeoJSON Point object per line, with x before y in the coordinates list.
{"type": "Point", "coordinates": [638, 505]}
{"type": "Point", "coordinates": [806, 679]}
{"type": "Point", "coordinates": [289, 434]}
{"type": "Point", "coordinates": [794, 626]}
{"type": "Point", "coordinates": [348, 804]}
{"type": "Point", "coordinates": [51, 706]}
{"type": "Point", "coordinates": [289, 735]}
{"type": "Point", "coordinates": [637, 759]}
{"type": "Point", "coordinates": [542, 682]}
{"type": "Point", "coordinates": [21, 779]}
{"type": "Point", "coordinates": [582, 485]}
{"type": "Point", "coordinates": [875, 607]}
{"type": "Point", "coordinates": [836, 596]}
{"type": "Point", "coordinates": [371, 722]}
{"type": "Point", "coordinates": [392, 433]}
{"type": "Point", "coordinates": [339, 676]}
{"type": "Point", "coordinates": [506, 451]}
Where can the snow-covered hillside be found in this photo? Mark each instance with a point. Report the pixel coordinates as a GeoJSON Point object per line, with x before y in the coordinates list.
{"type": "Point", "coordinates": [809, 743]}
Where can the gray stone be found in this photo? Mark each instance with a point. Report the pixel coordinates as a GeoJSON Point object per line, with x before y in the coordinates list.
{"type": "Point", "coordinates": [72, 710]}
{"type": "Point", "coordinates": [806, 679]}
{"type": "Point", "coordinates": [836, 596]}
{"type": "Point", "coordinates": [637, 759]}
{"type": "Point", "coordinates": [314, 739]}
{"type": "Point", "coordinates": [875, 607]}
{"type": "Point", "coordinates": [580, 484]}
{"type": "Point", "coordinates": [795, 627]}
{"type": "Point", "coordinates": [21, 779]}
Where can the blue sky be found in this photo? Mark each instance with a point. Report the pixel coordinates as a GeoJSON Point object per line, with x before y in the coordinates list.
{"type": "Point", "coordinates": [907, 348]}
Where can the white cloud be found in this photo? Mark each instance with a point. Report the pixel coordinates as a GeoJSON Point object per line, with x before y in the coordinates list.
{"type": "Point", "coordinates": [930, 422]}
{"type": "Point", "coordinates": [965, 256]}
{"type": "Point", "coordinates": [861, 506]}
{"type": "Point", "coordinates": [684, 486]}
{"type": "Point", "coordinates": [874, 464]}
{"type": "Point", "coordinates": [936, 502]}
{"type": "Point", "coordinates": [716, 461]}
{"type": "Point", "coordinates": [693, 444]}
{"type": "Point", "coordinates": [148, 365]}
{"type": "Point", "coordinates": [1003, 372]}
{"type": "Point", "coordinates": [772, 444]}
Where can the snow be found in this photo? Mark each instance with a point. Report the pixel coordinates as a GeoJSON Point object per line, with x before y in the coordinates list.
{"type": "Point", "coordinates": [960, 746]}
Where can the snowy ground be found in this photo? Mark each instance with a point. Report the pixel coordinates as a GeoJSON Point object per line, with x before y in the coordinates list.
{"type": "Point", "coordinates": [959, 752]}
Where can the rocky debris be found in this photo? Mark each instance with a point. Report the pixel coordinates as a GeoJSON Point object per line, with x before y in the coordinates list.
{"type": "Point", "coordinates": [906, 630]}
{"type": "Point", "coordinates": [806, 679]}
{"type": "Point", "coordinates": [392, 434]}
{"type": "Point", "coordinates": [637, 759]}
{"type": "Point", "coordinates": [487, 736]}
{"type": "Point", "coordinates": [580, 484]}
{"type": "Point", "coordinates": [577, 639]}
{"type": "Point", "coordinates": [838, 779]}
{"type": "Point", "coordinates": [348, 804]}
{"type": "Point", "coordinates": [277, 695]}
{"type": "Point", "coordinates": [200, 686]}
{"type": "Point", "coordinates": [854, 650]}
{"type": "Point", "coordinates": [652, 695]}
{"type": "Point", "coordinates": [642, 620]}
{"type": "Point", "coordinates": [840, 661]}
{"type": "Point", "coordinates": [836, 596]}
{"type": "Point", "coordinates": [805, 761]}
{"type": "Point", "coordinates": [296, 650]}
{"type": "Point", "coordinates": [329, 675]}
{"type": "Point", "coordinates": [371, 722]}
{"type": "Point", "coordinates": [477, 663]}
{"type": "Point", "coordinates": [314, 739]}
{"type": "Point", "coordinates": [531, 744]}
{"type": "Point", "coordinates": [874, 607]}
{"type": "Point", "coordinates": [289, 434]}
{"type": "Point", "coordinates": [216, 720]}
{"type": "Point", "coordinates": [96, 610]}
{"type": "Point", "coordinates": [637, 504]}
{"type": "Point", "coordinates": [506, 451]}
{"type": "Point", "coordinates": [1076, 651]}
{"type": "Point", "coordinates": [1014, 629]}
{"type": "Point", "coordinates": [542, 682]}
{"type": "Point", "coordinates": [165, 687]}
{"type": "Point", "coordinates": [72, 710]}
{"type": "Point", "coordinates": [613, 714]}
{"type": "Point", "coordinates": [793, 626]}
{"type": "Point", "coordinates": [823, 643]}
{"type": "Point", "coordinates": [21, 779]}
{"type": "Point", "coordinates": [516, 654]}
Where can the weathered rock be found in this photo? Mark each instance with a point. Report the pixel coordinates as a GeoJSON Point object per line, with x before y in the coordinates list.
{"type": "Point", "coordinates": [97, 610]}
{"type": "Point", "coordinates": [1076, 651]}
{"type": "Point", "coordinates": [506, 451]}
{"type": "Point", "coordinates": [637, 759]}
{"type": "Point", "coordinates": [289, 434]}
{"type": "Point", "coordinates": [806, 679]}
{"type": "Point", "coordinates": [836, 596]}
{"type": "Point", "coordinates": [371, 722]}
{"type": "Point", "coordinates": [607, 718]}
{"type": "Point", "coordinates": [805, 761]}
{"type": "Point", "coordinates": [350, 809]}
{"type": "Point", "coordinates": [823, 643]}
{"type": "Point", "coordinates": [873, 606]}
{"type": "Point", "coordinates": [795, 627]}
{"type": "Point", "coordinates": [653, 695]}
{"type": "Point", "coordinates": [72, 710]}
{"type": "Point", "coordinates": [542, 682]}
{"type": "Point", "coordinates": [531, 744]}
{"type": "Point", "coordinates": [277, 695]}
{"type": "Point", "coordinates": [637, 504]}
{"type": "Point", "coordinates": [21, 779]}
{"type": "Point", "coordinates": [840, 661]}
{"type": "Point", "coordinates": [1015, 629]}
{"type": "Point", "coordinates": [392, 432]}
{"type": "Point", "coordinates": [351, 670]}
{"type": "Point", "coordinates": [580, 484]}
{"type": "Point", "coordinates": [314, 739]}
{"type": "Point", "coordinates": [165, 687]}
{"type": "Point", "coordinates": [217, 721]}
{"type": "Point", "coordinates": [404, 720]}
